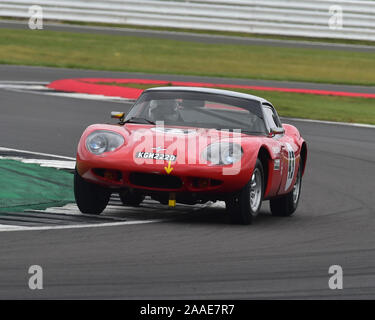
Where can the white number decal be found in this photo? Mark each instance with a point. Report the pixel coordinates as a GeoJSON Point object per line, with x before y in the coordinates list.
{"type": "Point", "coordinates": [291, 166]}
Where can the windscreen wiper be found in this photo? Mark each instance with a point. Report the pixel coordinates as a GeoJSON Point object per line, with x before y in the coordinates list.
{"type": "Point", "coordinates": [139, 120]}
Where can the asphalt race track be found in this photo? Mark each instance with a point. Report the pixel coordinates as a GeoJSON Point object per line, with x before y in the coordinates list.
{"type": "Point", "coordinates": [198, 256]}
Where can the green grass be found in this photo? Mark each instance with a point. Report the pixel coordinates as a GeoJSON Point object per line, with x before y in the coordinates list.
{"type": "Point", "coordinates": [201, 31]}
{"type": "Point", "coordinates": [151, 55]}
{"type": "Point", "coordinates": [30, 186]}
{"type": "Point", "coordinates": [220, 33]}
{"type": "Point", "coordinates": [307, 106]}
{"type": "Point", "coordinates": [342, 109]}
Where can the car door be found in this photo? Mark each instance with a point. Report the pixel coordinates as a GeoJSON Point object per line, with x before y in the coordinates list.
{"type": "Point", "coordinates": [277, 146]}
{"type": "Point", "coordinates": [288, 148]}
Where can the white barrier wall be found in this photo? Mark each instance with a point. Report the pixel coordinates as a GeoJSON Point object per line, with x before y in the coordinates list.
{"type": "Point", "coordinates": [312, 18]}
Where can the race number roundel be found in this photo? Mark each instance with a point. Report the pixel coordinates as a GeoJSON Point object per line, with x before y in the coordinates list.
{"type": "Point", "coordinates": [291, 166]}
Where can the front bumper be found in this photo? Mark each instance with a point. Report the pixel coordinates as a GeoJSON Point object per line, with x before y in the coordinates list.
{"type": "Point", "coordinates": [153, 177]}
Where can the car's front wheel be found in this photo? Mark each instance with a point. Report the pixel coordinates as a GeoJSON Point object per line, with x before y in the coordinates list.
{"type": "Point", "coordinates": [286, 205]}
{"type": "Point", "coordinates": [245, 206]}
{"type": "Point", "coordinates": [90, 198]}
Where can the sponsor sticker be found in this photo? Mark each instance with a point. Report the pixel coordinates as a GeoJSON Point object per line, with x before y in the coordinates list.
{"type": "Point", "coordinates": [276, 165]}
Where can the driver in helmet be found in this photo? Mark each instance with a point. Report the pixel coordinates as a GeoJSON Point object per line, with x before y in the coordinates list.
{"type": "Point", "coordinates": [164, 110]}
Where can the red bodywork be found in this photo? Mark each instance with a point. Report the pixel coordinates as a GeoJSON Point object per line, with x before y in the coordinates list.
{"type": "Point", "coordinates": [280, 155]}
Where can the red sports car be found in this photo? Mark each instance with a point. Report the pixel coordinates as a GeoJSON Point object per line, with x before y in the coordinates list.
{"type": "Point", "coordinates": [193, 145]}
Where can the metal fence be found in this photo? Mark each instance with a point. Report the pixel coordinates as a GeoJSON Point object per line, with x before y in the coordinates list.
{"type": "Point", "coordinates": [311, 18]}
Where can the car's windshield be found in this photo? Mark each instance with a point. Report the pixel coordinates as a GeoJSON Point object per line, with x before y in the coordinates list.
{"type": "Point", "coordinates": [202, 110]}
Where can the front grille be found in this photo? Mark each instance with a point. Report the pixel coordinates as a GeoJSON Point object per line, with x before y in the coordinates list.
{"type": "Point", "coordinates": [151, 180]}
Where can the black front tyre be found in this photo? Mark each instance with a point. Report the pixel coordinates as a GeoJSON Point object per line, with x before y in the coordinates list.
{"type": "Point", "coordinates": [245, 206]}
{"type": "Point", "coordinates": [286, 205]}
{"type": "Point", "coordinates": [90, 198]}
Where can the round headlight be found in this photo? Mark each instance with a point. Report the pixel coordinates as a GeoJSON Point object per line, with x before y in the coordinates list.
{"type": "Point", "coordinates": [222, 153]}
{"type": "Point", "coordinates": [101, 141]}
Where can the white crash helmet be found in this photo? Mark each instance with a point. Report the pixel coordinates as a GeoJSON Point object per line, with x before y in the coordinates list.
{"type": "Point", "coordinates": [163, 110]}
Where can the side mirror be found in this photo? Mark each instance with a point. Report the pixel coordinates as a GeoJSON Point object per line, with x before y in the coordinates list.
{"type": "Point", "coordinates": [118, 115]}
{"type": "Point", "coordinates": [275, 131]}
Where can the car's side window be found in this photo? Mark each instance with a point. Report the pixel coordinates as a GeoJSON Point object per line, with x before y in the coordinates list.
{"type": "Point", "coordinates": [271, 117]}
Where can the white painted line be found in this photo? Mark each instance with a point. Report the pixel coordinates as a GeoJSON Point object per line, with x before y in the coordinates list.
{"type": "Point", "coordinates": [359, 125]}
{"type": "Point", "coordinates": [5, 228]}
{"type": "Point", "coordinates": [58, 164]}
{"type": "Point", "coordinates": [36, 153]}
{"type": "Point", "coordinates": [86, 96]}
{"type": "Point", "coordinates": [75, 95]}
{"type": "Point", "coordinates": [23, 86]}
{"type": "Point", "coordinates": [72, 210]}
{"type": "Point", "coordinates": [37, 87]}
{"type": "Point", "coordinates": [23, 82]}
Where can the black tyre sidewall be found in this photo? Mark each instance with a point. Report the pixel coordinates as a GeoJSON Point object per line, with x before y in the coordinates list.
{"type": "Point", "coordinates": [90, 198]}
{"type": "Point", "coordinates": [299, 176]}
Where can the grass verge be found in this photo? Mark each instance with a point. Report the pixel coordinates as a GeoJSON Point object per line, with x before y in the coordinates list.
{"type": "Point", "coordinates": [30, 186]}
{"type": "Point", "coordinates": [199, 31]}
{"type": "Point", "coordinates": [330, 108]}
{"type": "Point", "coordinates": [152, 55]}
{"type": "Point", "coordinates": [221, 33]}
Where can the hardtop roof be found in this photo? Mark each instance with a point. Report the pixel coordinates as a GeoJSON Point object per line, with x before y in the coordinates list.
{"type": "Point", "coordinates": [228, 93]}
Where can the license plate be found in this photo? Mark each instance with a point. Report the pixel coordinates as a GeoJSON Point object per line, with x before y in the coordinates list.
{"type": "Point", "coordinates": [156, 156]}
